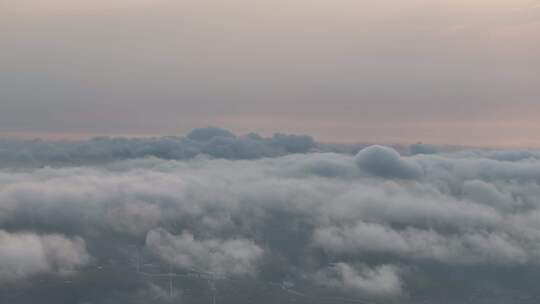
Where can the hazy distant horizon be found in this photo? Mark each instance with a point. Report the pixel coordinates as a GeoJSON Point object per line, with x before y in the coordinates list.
{"type": "Point", "coordinates": [457, 72]}
{"type": "Point", "coordinates": [329, 139]}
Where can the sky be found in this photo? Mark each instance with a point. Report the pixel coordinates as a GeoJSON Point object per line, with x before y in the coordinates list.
{"type": "Point", "coordinates": [442, 72]}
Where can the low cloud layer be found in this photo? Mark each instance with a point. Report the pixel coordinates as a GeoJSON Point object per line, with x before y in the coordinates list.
{"type": "Point", "coordinates": [375, 225]}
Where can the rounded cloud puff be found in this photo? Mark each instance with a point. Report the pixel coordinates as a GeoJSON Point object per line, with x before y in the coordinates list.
{"type": "Point", "coordinates": [386, 162]}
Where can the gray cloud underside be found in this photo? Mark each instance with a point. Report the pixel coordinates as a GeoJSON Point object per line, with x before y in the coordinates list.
{"type": "Point", "coordinates": [216, 142]}
{"type": "Point", "coordinates": [370, 224]}
{"type": "Point", "coordinates": [211, 141]}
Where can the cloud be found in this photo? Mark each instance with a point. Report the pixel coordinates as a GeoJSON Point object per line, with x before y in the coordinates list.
{"type": "Point", "coordinates": [221, 257]}
{"type": "Point", "coordinates": [160, 294]}
{"type": "Point", "coordinates": [23, 255]}
{"type": "Point", "coordinates": [211, 141]}
{"type": "Point", "coordinates": [420, 148]}
{"type": "Point", "coordinates": [486, 193]}
{"type": "Point", "coordinates": [467, 248]}
{"type": "Point", "coordinates": [502, 155]}
{"type": "Point", "coordinates": [382, 280]}
{"type": "Point", "coordinates": [292, 217]}
{"type": "Point", "coordinates": [387, 163]}
{"type": "Point", "coordinates": [209, 133]}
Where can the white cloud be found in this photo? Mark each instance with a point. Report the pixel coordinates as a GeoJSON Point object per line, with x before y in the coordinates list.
{"type": "Point", "coordinates": [466, 248]}
{"type": "Point", "coordinates": [23, 255]}
{"type": "Point", "coordinates": [382, 280]}
{"type": "Point", "coordinates": [221, 257]}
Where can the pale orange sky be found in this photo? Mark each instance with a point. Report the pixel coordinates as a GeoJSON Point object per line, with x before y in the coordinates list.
{"type": "Point", "coordinates": [447, 71]}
